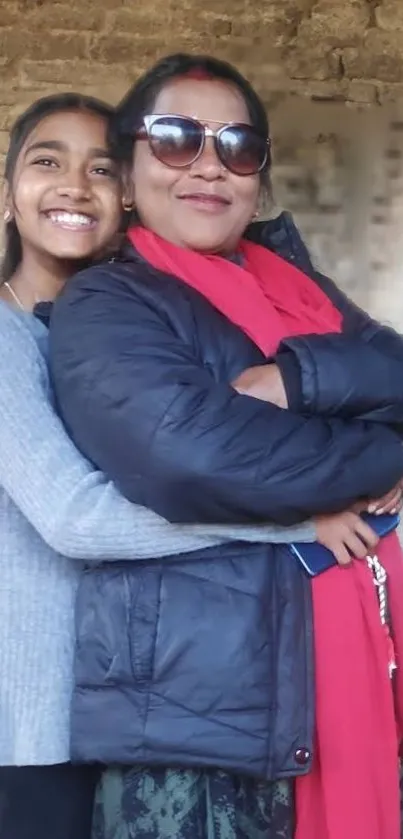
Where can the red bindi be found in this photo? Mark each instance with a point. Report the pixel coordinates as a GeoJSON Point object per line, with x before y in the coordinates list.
{"type": "Point", "coordinates": [197, 74]}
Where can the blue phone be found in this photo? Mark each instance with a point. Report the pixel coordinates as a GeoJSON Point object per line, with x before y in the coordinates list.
{"type": "Point", "coordinates": [316, 559]}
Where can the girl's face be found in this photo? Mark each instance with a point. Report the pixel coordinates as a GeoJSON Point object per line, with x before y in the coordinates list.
{"type": "Point", "coordinates": [65, 195]}
{"type": "Point", "coordinates": [202, 206]}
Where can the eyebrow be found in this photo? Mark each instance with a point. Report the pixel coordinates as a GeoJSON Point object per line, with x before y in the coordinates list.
{"type": "Point", "coordinates": [56, 145]}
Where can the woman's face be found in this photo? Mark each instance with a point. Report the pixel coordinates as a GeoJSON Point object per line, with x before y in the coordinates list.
{"type": "Point", "coordinates": [65, 196]}
{"type": "Point", "coordinates": [204, 206]}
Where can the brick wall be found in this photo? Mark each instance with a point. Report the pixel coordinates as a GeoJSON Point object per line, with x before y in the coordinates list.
{"type": "Point", "coordinates": [330, 71]}
{"type": "Point", "coordinates": [341, 173]}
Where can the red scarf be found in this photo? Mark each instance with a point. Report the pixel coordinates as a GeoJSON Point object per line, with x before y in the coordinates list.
{"type": "Point", "coordinates": [352, 791]}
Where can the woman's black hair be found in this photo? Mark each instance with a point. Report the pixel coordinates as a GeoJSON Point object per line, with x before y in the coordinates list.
{"type": "Point", "coordinates": [141, 97]}
{"type": "Point", "coordinates": [20, 131]}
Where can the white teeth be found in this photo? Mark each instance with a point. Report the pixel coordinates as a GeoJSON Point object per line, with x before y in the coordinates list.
{"type": "Point", "coordinates": [71, 219]}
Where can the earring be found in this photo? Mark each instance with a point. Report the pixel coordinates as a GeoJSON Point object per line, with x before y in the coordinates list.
{"type": "Point", "coordinates": [127, 208]}
{"type": "Point", "coordinates": [7, 216]}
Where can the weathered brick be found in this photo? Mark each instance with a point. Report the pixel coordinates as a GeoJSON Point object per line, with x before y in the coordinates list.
{"type": "Point", "coordinates": [15, 96]}
{"type": "Point", "coordinates": [17, 44]}
{"type": "Point", "coordinates": [331, 90]}
{"type": "Point", "coordinates": [219, 26]}
{"type": "Point", "coordinates": [390, 93]}
{"type": "Point", "coordinates": [139, 51]}
{"type": "Point", "coordinates": [78, 73]}
{"type": "Point", "coordinates": [135, 21]}
{"type": "Point", "coordinates": [122, 48]}
{"type": "Point", "coordinates": [8, 72]}
{"type": "Point", "coordinates": [300, 46]}
{"type": "Point", "coordinates": [65, 16]}
{"type": "Point", "coordinates": [361, 92]}
{"type": "Point", "coordinates": [57, 46]}
{"type": "Point", "coordinates": [379, 57]}
{"type": "Point", "coordinates": [336, 24]}
{"type": "Point", "coordinates": [10, 14]}
{"type": "Point", "coordinates": [37, 6]}
{"type": "Point", "coordinates": [11, 44]}
{"type": "Point", "coordinates": [6, 118]}
{"type": "Point", "coordinates": [3, 142]}
{"type": "Point", "coordinates": [180, 21]}
{"type": "Point", "coordinates": [389, 15]}
{"type": "Point", "coordinates": [64, 44]}
{"type": "Point", "coordinates": [189, 8]}
{"type": "Point", "coordinates": [315, 64]}
{"type": "Point", "coordinates": [276, 28]}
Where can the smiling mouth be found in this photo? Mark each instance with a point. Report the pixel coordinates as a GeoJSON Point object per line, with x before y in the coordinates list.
{"type": "Point", "coordinates": [71, 221]}
{"type": "Point", "coordinates": [203, 199]}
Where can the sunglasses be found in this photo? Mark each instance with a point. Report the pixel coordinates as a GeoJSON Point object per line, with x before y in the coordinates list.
{"type": "Point", "coordinates": [178, 141]}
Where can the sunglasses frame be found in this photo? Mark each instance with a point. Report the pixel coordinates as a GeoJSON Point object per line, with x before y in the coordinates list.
{"type": "Point", "coordinates": [144, 133]}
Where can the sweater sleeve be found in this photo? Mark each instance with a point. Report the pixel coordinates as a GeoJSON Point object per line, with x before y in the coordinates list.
{"type": "Point", "coordinates": [73, 507]}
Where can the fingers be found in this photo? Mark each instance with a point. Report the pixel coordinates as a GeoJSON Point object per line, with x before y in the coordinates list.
{"type": "Point", "coordinates": [342, 555]}
{"type": "Point", "coordinates": [347, 536]}
{"type": "Point", "coordinates": [367, 536]}
{"type": "Point", "coordinates": [356, 547]}
{"type": "Point", "coordinates": [359, 507]}
{"type": "Point", "coordinates": [390, 503]}
{"type": "Point", "coordinates": [359, 538]}
{"type": "Point", "coordinates": [395, 504]}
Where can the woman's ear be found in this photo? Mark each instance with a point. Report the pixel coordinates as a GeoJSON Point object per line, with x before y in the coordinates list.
{"type": "Point", "coordinates": [127, 190]}
{"type": "Point", "coordinates": [266, 203]}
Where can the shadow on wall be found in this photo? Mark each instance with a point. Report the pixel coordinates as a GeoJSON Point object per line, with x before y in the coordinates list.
{"type": "Point", "coordinates": [340, 172]}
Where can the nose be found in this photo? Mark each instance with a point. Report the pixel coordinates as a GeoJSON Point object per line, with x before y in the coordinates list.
{"type": "Point", "coordinates": [75, 186]}
{"type": "Point", "coordinates": [208, 165]}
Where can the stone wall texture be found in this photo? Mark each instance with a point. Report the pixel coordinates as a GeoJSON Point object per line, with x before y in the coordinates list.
{"type": "Point", "coordinates": [330, 72]}
{"type": "Point", "coordinates": [349, 50]}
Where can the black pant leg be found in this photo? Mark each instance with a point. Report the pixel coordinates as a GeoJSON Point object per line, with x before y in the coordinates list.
{"type": "Point", "coordinates": [47, 802]}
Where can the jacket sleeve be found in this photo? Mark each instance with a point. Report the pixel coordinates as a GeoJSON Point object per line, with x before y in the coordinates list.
{"type": "Point", "coordinates": [356, 374]}
{"type": "Point", "coordinates": [73, 507]}
{"type": "Point", "coordinates": [328, 375]}
{"type": "Point", "coordinates": [140, 405]}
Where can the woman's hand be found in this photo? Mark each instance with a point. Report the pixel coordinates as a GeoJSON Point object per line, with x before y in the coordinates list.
{"type": "Point", "coordinates": [346, 535]}
{"type": "Point", "coordinates": [392, 502]}
{"type": "Point", "coordinates": [263, 382]}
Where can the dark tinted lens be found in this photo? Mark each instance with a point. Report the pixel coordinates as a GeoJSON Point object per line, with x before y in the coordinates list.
{"type": "Point", "coordinates": [175, 141]}
{"type": "Point", "coordinates": [241, 149]}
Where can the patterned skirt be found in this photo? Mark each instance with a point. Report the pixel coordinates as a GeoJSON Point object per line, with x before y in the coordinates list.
{"type": "Point", "coordinates": [144, 803]}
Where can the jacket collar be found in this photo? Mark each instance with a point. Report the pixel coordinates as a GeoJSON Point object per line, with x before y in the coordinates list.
{"type": "Point", "coordinates": [282, 236]}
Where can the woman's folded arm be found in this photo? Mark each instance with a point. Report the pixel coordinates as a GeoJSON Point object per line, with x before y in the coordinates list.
{"type": "Point", "coordinates": [140, 405]}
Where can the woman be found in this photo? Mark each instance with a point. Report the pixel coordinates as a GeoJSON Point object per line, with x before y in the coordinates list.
{"type": "Point", "coordinates": [206, 685]}
{"type": "Point", "coordinates": [63, 208]}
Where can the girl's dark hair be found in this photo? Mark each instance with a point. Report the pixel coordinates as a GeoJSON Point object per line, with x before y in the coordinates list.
{"type": "Point", "coordinates": [20, 132]}
{"type": "Point", "coordinates": [141, 97]}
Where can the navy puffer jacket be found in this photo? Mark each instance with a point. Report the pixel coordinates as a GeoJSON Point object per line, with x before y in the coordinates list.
{"type": "Point", "coordinates": [207, 660]}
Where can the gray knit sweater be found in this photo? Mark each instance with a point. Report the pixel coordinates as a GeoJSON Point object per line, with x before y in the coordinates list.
{"type": "Point", "coordinates": [56, 514]}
